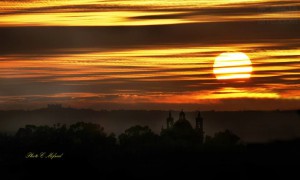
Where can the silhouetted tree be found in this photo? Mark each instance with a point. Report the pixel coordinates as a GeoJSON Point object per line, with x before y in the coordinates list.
{"type": "Point", "coordinates": [86, 133]}
{"type": "Point", "coordinates": [83, 136]}
{"type": "Point", "coordinates": [4, 140]}
{"type": "Point", "coordinates": [223, 140]}
{"type": "Point", "coordinates": [138, 136]}
{"type": "Point", "coordinates": [176, 153]}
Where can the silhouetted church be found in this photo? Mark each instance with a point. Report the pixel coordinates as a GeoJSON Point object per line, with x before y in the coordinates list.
{"type": "Point", "coordinates": [183, 124]}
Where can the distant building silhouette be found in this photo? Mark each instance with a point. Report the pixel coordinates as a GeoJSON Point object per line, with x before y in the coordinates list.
{"type": "Point", "coordinates": [54, 106]}
{"type": "Point", "coordinates": [181, 116]}
{"type": "Point", "coordinates": [183, 124]}
{"type": "Point", "coordinates": [170, 121]}
{"type": "Point", "coordinates": [199, 126]}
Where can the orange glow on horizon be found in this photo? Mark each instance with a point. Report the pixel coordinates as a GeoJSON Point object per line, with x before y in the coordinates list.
{"type": "Point", "coordinates": [152, 74]}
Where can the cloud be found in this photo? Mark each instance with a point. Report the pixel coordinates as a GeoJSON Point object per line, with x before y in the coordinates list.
{"type": "Point", "coordinates": [250, 8]}
{"type": "Point", "coordinates": [62, 60]}
{"type": "Point", "coordinates": [39, 40]}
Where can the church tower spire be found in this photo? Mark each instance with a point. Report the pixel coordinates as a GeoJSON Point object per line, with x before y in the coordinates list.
{"type": "Point", "coordinates": [199, 126]}
{"type": "Point", "coordinates": [170, 121]}
{"type": "Point", "coordinates": [182, 116]}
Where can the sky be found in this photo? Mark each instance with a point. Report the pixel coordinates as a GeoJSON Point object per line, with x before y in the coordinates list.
{"type": "Point", "coordinates": [139, 54]}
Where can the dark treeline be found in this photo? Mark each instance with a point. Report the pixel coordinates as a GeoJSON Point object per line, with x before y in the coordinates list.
{"type": "Point", "coordinates": [84, 150]}
{"type": "Point", "coordinates": [250, 126]}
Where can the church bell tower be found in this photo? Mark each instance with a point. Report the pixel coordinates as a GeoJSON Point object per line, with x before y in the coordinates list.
{"type": "Point", "coordinates": [170, 121]}
{"type": "Point", "coordinates": [199, 126]}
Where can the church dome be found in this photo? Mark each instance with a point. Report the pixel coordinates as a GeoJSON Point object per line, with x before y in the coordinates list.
{"type": "Point", "coordinates": [183, 124]}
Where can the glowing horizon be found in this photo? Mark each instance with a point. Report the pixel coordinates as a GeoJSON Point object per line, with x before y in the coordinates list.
{"type": "Point", "coordinates": [150, 54]}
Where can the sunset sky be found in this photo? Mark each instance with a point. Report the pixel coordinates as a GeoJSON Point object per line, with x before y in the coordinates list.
{"type": "Point", "coordinates": [148, 54]}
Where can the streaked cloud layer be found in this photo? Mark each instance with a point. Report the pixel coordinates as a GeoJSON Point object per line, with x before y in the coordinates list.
{"type": "Point", "coordinates": [132, 13]}
{"type": "Point", "coordinates": [147, 54]}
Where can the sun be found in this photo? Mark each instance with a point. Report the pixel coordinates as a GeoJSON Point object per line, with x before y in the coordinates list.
{"type": "Point", "coordinates": [232, 65]}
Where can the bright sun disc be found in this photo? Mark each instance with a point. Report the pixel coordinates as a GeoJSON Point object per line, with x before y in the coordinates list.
{"type": "Point", "coordinates": [232, 65]}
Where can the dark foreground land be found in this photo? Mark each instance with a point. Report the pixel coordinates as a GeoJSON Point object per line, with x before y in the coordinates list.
{"type": "Point", "coordinates": [250, 126]}
{"type": "Point", "coordinates": [85, 151]}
